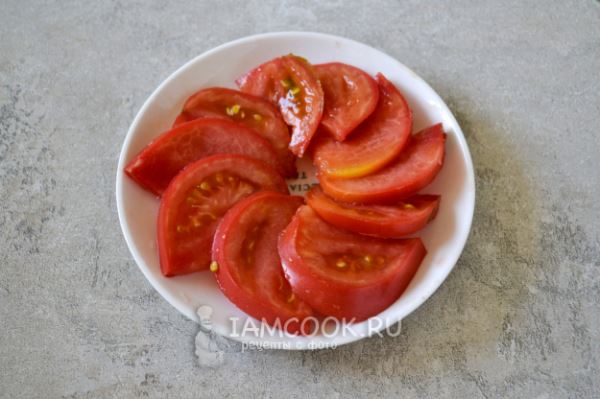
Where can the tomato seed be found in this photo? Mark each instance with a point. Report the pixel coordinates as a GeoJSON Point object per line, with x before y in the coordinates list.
{"type": "Point", "coordinates": [214, 266]}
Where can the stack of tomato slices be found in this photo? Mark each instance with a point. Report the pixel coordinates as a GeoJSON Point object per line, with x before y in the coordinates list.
{"type": "Point", "coordinates": [341, 252]}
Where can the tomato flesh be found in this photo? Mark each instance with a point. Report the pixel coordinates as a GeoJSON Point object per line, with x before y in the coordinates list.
{"type": "Point", "coordinates": [414, 169]}
{"type": "Point", "coordinates": [157, 164]}
{"type": "Point", "coordinates": [291, 84]}
{"type": "Point", "coordinates": [251, 111]}
{"type": "Point", "coordinates": [373, 144]}
{"type": "Point", "coordinates": [388, 221]}
{"type": "Point", "coordinates": [249, 270]}
{"type": "Point", "coordinates": [351, 95]}
{"type": "Point", "coordinates": [342, 274]}
{"type": "Point", "coordinates": [195, 201]}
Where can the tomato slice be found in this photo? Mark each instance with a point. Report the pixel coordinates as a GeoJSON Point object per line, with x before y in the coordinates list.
{"type": "Point", "coordinates": [195, 201]}
{"type": "Point", "coordinates": [249, 270]}
{"type": "Point", "coordinates": [373, 144]}
{"type": "Point", "coordinates": [388, 221]}
{"type": "Point", "coordinates": [342, 274]}
{"type": "Point", "coordinates": [290, 83]}
{"type": "Point", "coordinates": [351, 95]}
{"type": "Point", "coordinates": [251, 111]}
{"type": "Point", "coordinates": [414, 168]}
{"type": "Point", "coordinates": [163, 158]}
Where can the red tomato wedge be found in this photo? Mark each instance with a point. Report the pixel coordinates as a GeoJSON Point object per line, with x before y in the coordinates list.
{"type": "Point", "coordinates": [163, 158]}
{"type": "Point", "coordinates": [251, 111]}
{"type": "Point", "coordinates": [388, 221]}
{"type": "Point", "coordinates": [291, 84]}
{"type": "Point", "coordinates": [342, 274]}
{"type": "Point", "coordinates": [351, 95]}
{"type": "Point", "coordinates": [373, 144]}
{"type": "Point", "coordinates": [195, 201]}
{"type": "Point", "coordinates": [414, 169]}
{"type": "Point", "coordinates": [248, 268]}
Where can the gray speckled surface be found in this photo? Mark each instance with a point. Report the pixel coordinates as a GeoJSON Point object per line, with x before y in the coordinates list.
{"type": "Point", "coordinates": [518, 317]}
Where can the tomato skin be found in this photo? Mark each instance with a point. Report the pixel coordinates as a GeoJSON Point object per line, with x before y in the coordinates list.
{"type": "Point", "coordinates": [187, 250]}
{"type": "Point", "coordinates": [277, 80]}
{"type": "Point", "coordinates": [351, 95]}
{"type": "Point", "coordinates": [373, 144]}
{"type": "Point", "coordinates": [414, 169]}
{"type": "Point", "coordinates": [160, 161]}
{"type": "Point", "coordinates": [260, 288]}
{"type": "Point", "coordinates": [355, 298]}
{"type": "Point", "coordinates": [251, 111]}
{"type": "Point", "coordinates": [387, 221]}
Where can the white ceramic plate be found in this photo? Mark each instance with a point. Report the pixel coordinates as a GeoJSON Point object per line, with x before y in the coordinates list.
{"type": "Point", "coordinates": [444, 238]}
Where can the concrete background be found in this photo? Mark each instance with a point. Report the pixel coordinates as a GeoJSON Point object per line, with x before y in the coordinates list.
{"type": "Point", "coordinates": [518, 317]}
